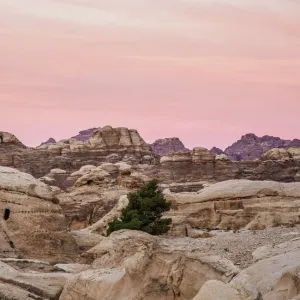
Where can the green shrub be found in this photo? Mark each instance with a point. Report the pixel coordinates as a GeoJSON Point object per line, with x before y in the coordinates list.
{"type": "Point", "coordinates": [144, 211]}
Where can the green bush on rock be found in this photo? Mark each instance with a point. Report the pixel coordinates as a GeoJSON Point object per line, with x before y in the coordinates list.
{"type": "Point", "coordinates": [144, 211]}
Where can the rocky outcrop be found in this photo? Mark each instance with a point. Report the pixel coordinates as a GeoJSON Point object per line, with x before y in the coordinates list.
{"type": "Point", "coordinates": [106, 145]}
{"type": "Point", "coordinates": [135, 265]}
{"type": "Point", "coordinates": [112, 145]}
{"type": "Point", "coordinates": [168, 145]}
{"type": "Point", "coordinates": [235, 204]}
{"type": "Point", "coordinates": [276, 272]}
{"type": "Point", "coordinates": [251, 147]}
{"type": "Point", "coordinates": [201, 165]}
{"type": "Point", "coordinates": [31, 219]}
{"type": "Point", "coordinates": [32, 285]}
{"type": "Point", "coordinates": [96, 190]}
{"type": "Point", "coordinates": [10, 141]}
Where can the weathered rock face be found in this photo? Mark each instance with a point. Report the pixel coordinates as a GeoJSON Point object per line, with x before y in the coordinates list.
{"type": "Point", "coordinates": [235, 204]}
{"type": "Point", "coordinates": [27, 286]}
{"type": "Point", "coordinates": [96, 190]}
{"type": "Point", "coordinates": [31, 219]}
{"type": "Point", "coordinates": [276, 272]}
{"type": "Point", "coordinates": [251, 147]}
{"type": "Point", "coordinates": [106, 145]}
{"type": "Point", "coordinates": [9, 140]}
{"type": "Point", "coordinates": [168, 145]}
{"type": "Point", "coordinates": [120, 144]}
{"type": "Point", "coordinates": [200, 164]}
{"type": "Point", "coordinates": [135, 265]}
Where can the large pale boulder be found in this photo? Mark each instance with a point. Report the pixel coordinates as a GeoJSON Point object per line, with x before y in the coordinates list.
{"type": "Point", "coordinates": [217, 290]}
{"type": "Point", "coordinates": [135, 265]}
{"type": "Point", "coordinates": [27, 286]}
{"type": "Point", "coordinates": [276, 272]}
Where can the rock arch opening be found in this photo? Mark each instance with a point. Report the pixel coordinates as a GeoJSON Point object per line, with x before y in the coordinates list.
{"type": "Point", "coordinates": [6, 214]}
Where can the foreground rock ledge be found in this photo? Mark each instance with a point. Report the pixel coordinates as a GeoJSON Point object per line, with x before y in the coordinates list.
{"type": "Point", "coordinates": [135, 265]}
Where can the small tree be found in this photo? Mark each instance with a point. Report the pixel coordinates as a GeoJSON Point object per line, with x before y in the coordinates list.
{"type": "Point", "coordinates": [144, 211]}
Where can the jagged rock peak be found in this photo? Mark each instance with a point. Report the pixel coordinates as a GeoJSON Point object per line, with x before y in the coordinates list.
{"type": "Point", "coordinates": [168, 145]}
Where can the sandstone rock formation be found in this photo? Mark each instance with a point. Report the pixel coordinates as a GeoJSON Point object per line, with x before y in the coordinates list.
{"type": "Point", "coordinates": [10, 141]}
{"type": "Point", "coordinates": [27, 286]}
{"type": "Point", "coordinates": [235, 204]}
{"type": "Point", "coordinates": [106, 145]}
{"type": "Point", "coordinates": [135, 265]}
{"type": "Point", "coordinates": [168, 145]}
{"type": "Point", "coordinates": [31, 219]}
{"type": "Point", "coordinates": [251, 147]}
{"type": "Point", "coordinates": [96, 190]}
{"type": "Point", "coordinates": [120, 144]}
{"type": "Point", "coordinates": [276, 272]}
{"type": "Point", "coordinates": [201, 165]}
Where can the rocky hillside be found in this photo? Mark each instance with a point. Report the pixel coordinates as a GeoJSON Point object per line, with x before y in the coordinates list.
{"type": "Point", "coordinates": [122, 144]}
{"type": "Point", "coordinates": [251, 147]}
{"type": "Point", "coordinates": [233, 240]}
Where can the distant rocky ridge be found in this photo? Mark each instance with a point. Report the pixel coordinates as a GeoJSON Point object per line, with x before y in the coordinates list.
{"type": "Point", "coordinates": [121, 144]}
{"type": "Point", "coordinates": [168, 145]}
{"type": "Point", "coordinates": [159, 147]}
{"type": "Point", "coordinates": [251, 147]}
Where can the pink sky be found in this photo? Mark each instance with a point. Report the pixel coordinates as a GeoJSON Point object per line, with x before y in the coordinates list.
{"type": "Point", "coordinates": [207, 71]}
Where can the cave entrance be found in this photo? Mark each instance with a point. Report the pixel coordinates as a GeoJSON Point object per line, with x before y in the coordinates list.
{"type": "Point", "coordinates": [6, 214]}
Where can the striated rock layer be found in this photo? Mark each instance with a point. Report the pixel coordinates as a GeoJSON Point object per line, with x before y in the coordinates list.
{"type": "Point", "coordinates": [106, 145]}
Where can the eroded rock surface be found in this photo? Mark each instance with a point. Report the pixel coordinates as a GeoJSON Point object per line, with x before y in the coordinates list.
{"type": "Point", "coordinates": [31, 219]}
{"type": "Point", "coordinates": [235, 204]}
{"type": "Point", "coordinates": [135, 265]}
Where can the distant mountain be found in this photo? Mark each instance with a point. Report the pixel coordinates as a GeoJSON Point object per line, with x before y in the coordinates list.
{"type": "Point", "coordinates": [251, 147]}
{"type": "Point", "coordinates": [168, 145]}
{"type": "Point", "coordinates": [216, 151]}
{"type": "Point", "coordinates": [49, 141]}
{"type": "Point", "coordinates": [85, 135]}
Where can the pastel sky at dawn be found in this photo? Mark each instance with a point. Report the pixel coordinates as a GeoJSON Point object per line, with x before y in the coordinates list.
{"type": "Point", "coordinates": [207, 71]}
